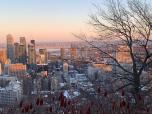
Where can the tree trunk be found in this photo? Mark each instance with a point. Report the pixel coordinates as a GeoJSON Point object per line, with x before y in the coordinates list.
{"type": "Point", "coordinates": [137, 91]}
{"type": "Point", "coordinates": [136, 84]}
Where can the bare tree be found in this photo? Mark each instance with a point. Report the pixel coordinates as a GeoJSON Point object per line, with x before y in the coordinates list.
{"type": "Point", "coordinates": [129, 23]}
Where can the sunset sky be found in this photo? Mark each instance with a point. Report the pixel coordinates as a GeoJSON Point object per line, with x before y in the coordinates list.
{"type": "Point", "coordinates": [44, 20]}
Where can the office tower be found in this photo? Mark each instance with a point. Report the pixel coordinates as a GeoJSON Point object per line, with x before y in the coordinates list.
{"type": "Point", "coordinates": [73, 53]}
{"type": "Point", "coordinates": [3, 58]}
{"type": "Point", "coordinates": [22, 56]}
{"type": "Point", "coordinates": [31, 53]}
{"type": "Point", "coordinates": [83, 52]}
{"type": "Point", "coordinates": [16, 52]}
{"type": "Point", "coordinates": [43, 56]}
{"type": "Point", "coordinates": [23, 41]}
{"type": "Point", "coordinates": [22, 51]}
{"type": "Point", "coordinates": [33, 42]}
{"type": "Point", "coordinates": [62, 53]}
{"type": "Point", "coordinates": [123, 55]}
{"type": "Point", "coordinates": [10, 48]}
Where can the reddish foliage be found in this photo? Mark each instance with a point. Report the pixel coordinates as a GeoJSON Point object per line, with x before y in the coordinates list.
{"type": "Point", "coordinates": [69, 102]}
{"type": "Point", "coordinates": [88, 111]}
{"type": "Point", "coordinates": [26, 108]}
{"type": "Point", "coordinates": [41, 102]}
{"type": "Point", "coordinates": [147, 110]}
{"type": "Point", "coordinates": [136, 113]}
{"type": "Point", "coordinates": [65, 104]}
{"type": "Point", "coordinates": [128, 106]}
{"type": "Point", "coordinates": [122, 93]}
{"type": "Point", "coordinates": [139, 97]}
{"type": "Point", "coordinates": [23, 110]}
{"type": "Point", "coordinates": [92, 103]}
{"type": "Point", "coordinates": [81, 111]}
{"type": "Point", "coordinates": [122, 104]}
{"type": "Point", "coordinates": [53, 98]}
{"type": "Point", "coordinates": [62, 102]}
{"type": "Point", "coordinates": [113, 105]}
{"type": "Point", "coordinates": [99, 90]}
{"type": "Point", "coordinates": [21, 104]}
{"type": "Point", "coordinates": [50, 109]}
{"type": "Point", "coordinates": [37, 101]}
{"type": "Point", "coordinates": [31, 106]}
{"type": "Point", "coordinates": [73, 111]}
{"type": "Point", "coordinates": [105, 93]}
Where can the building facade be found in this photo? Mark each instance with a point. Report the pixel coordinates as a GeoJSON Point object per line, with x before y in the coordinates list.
{"type": "Point", "coordinates": [11, 94]}
{"type": "Point", "coordinates": [31, 53]}
{"type": "Point", "coordinates": [18, 70]}
{"type": "Point", "coordinates": [10, 48]}
{"type": "Point", "coordinates": [73, 53]}
{"type": "Point", "coordinates": [43, 56]}
{"type": "Point", "coordinates": [62, 53]}
{"type": "Point", "coordinates": [22, 51]}
{"type": "Point", "coordinates": [16, 52]}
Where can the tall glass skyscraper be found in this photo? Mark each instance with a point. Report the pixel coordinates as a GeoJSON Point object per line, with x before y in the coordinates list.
{"type": "Point", "coordinates": [22, 51]}
{"type": "Point", "coordinates": [10, 47]}
{"type": "Point", "coordinates": [31, 53]}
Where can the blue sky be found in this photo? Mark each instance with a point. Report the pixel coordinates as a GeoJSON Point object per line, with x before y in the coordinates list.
{"type": "Point", "coordinates": [44, 20]}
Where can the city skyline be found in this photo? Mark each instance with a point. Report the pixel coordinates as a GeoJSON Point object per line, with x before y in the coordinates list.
{"type": "Point", "coordinates": [51, 20]}
{"type": "Point", "coordinates": [75, 57]}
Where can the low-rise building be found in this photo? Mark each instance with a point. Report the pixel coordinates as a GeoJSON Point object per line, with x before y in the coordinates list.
{"type": "Point", "coordinates": [18, 70]}
{"type": "Point", "coordinates": [11, 94]}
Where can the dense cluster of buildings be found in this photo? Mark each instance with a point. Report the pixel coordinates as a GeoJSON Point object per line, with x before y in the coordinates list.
{"type": "Point", "coordinates": [26, 70]}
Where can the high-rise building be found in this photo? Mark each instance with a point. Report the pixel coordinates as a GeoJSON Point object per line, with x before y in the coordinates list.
{"type": "Point", "coordinates": [123, 55]}
{"type": "Point", "coordinates": [73, 53]}
{"type": "Point", "coordinates": [10, 48]}
{"type": "Point", "coordinates": [33, 42]}
{"type": "Point", "coordinates": [23, 41]}
{"type": "Point", "coordinates": [83, 52]}
{"type": "Point", "coordinates": [3, 58]}
{"type": "Point", "coordinates": [22, 55]}
{"type": "Point", "coordinates": [16, 52]}
{"type": "Point", "coordinates": [62, 52]}
{"type": "Point", "coordinates": [31, 53]}
{"type": "Point", "coordinates": [22, 51]}
{"type": "Point", "coordinates": [43, 56]}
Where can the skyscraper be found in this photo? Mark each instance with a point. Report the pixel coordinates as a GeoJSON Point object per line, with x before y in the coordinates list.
{"type": "Point", "coordinates": [23, 41]}
{"type": "Point", "coordinates": [62, 53]}
{"type": "Point", "coordinates": [3, 56]}
{"type": "Point", "coordinates": [73, 53]}
{"type": "Point", "coordinates": [43, 56]}
{"type": "Point", "coordinates": [31, 53]}
{"type": "Point", "coordinates": [33, 42]}
{"type": "Point", "coordinates": [10, 47]}
{"type": "Point", "coordinates": [22, 51]}
{"type": "Point", "coordinates": [16, 52]}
